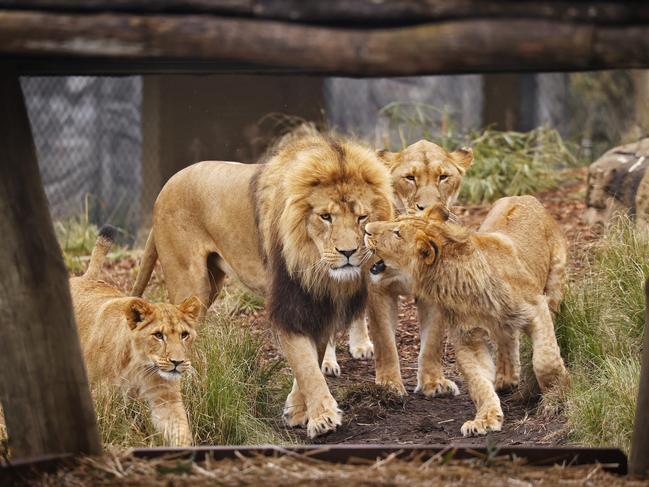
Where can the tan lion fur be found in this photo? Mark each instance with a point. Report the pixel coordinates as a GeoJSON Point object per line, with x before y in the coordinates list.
{"type": "Point", "coordinates": [487, 285]}
{"type": "Point", "coordinates": [266, 226]}
{"type": "Point", "coordinates": [422, 175]}
{"type": "Point", "coordinates": [120, 347]}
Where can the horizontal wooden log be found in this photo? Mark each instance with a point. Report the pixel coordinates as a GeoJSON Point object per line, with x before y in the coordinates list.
{"type": "Point", "coordinates": [363, 11]}
{"type": "Point", "coordinates": [443, 47]}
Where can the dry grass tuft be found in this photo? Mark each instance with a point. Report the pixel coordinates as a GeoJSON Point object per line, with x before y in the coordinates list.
{"type": "Point", "coordinates": [293, 470]}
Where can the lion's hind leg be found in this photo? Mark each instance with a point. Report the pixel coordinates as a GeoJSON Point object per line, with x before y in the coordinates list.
{"type": "Point", "coordinates": [508, 360]}
{"type": "Point", "coordinates": [330, 362]}
{"type": "Point", "coordinates": [478, 369]}
{"type": "Point", "coordinates": [555, 284]}
{"type": "Point", "coordinates": [548, 365]}
{"type": "Point", "coordinates": [360, 345]}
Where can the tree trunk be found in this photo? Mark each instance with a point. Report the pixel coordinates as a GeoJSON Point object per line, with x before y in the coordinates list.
{"type": "Point", "coordinates": [43, 385]}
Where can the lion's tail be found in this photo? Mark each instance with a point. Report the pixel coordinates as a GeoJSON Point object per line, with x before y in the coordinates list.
{"type": "Point", "coordinates": [104, 242]}
{"type": "Point", "coordinates": [146, 266]}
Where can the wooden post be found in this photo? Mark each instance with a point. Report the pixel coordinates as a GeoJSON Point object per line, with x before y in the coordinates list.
{"type": "Point", "coordinates": [43, 384]}
{"type": "Point", "coordinates": [639, 464]}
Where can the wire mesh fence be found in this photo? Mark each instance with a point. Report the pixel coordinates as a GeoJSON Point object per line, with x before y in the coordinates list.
{"type": "Point", "coordinates": [87, 132]}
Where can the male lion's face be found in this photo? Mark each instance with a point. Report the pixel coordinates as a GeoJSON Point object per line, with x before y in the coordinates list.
{"type": "Point", "coordinates": [424, 174]}
{"type": "Point", "coordinates": [335, 224]}
{"type": "Point", "coordinates": [405, 244]}
{"type": "Point", "coordinates": [163, 334]}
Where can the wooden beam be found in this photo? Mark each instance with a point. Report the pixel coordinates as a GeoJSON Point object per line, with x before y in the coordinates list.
{"type": "Point", "coordinates": [366, 12]}
{"type": "Point", "coordinates": [43, 386]}
{"type": "Point", "coordinates": [639, 462]}
{"type": "Point", "coordinates": [444, 47]}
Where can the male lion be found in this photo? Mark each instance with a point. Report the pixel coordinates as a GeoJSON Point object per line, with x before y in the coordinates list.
{"type": "Point", "coordinates": [486, 285]}
{"type": "Point", "coordinates": [422, 175]}
{"type": "Point", "coordinates": [291, 230]}
{"type": "Point", "coordinates": [138, 346]}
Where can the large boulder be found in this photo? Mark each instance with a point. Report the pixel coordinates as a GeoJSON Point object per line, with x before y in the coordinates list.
{"type": "Point", "coordinates": [618, 183]}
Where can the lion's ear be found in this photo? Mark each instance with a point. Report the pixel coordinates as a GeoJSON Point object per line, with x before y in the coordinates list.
{"type": "Point", "coordinates": [463, 158]}
{"type": "Point", "coordinates": [138, 311]}
{"type": "Point", "coordinates": [387, 157]}
{"type": "Point", "coordinates": [191, 307]}
{"type": "Point", "coordinates": [437, 213]}
{"type": "Point", "coordinates": [427, 248]}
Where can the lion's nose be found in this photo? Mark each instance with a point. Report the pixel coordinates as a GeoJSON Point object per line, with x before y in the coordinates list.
{"type": "Point", "coordinates": [420, 207]}
{"type": "Point", "coordinates": [176, 362]}
{"type": "Point", "coordinates": [347, 253]}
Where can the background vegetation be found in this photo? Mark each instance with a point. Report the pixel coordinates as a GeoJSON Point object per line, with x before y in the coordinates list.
{"type": "Point", "coordinates": [505, 163]}
{"type": "Point", "coordinates": [600, 331]}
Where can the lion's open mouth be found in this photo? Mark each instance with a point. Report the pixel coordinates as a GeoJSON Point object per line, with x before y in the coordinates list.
{"type": "Point", "coordinates": [378, 267]}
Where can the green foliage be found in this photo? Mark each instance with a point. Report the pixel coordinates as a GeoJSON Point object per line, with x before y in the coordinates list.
{"type": "Point", "coordinates": [505, 163]}
{"type": "Point", "coordinates": [600, 329]}
{"type": "Point", "coordinates": [232, 397]}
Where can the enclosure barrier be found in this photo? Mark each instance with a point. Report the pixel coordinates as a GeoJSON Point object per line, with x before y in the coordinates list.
{"type": "Point", "coordinates": [44, 388]}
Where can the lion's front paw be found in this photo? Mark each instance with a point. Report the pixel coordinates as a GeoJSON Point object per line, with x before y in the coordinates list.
{"type": "Point", "coordinates": [330, 367]}
{"type": "Point", "coordinates": [362, 351]}
{"type": "Point", "coordinates": [439, 387]}
{"type": "Point", "coordinates": [325, 421]}
{"type": "Point", "coordinates": [393, 383]}
{"type": "Point", "coordinates": [492, 421]}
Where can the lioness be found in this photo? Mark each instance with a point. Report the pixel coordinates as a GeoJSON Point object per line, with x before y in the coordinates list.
{"type": "Point", "coordinates": [422, 175]}
{"type": "Point", "coordinates": [291, 230]}
{"type": "Point", "coordinates": [138, 346]}
{"type": "Point", "coordinates": [486, 284]}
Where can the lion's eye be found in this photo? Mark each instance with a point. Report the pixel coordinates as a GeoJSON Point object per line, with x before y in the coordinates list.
{"type": "Point", "coordinates": [396, 233]}
{"type": "Point", "coordinates": [443, 177]}
{"type": "Point", "coordinates": [184, 335]}
{"type": "Point", "coordinates": [410, 177]}
{"type": "Point", "coordinates": [326, 217]}
{"type": "Point", "coordinates": [158, 335]}
{"type": "Point", "coordinates": [362, 218]}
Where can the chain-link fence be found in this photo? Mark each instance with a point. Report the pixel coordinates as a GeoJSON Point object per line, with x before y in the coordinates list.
{"type": "Point", "coordinates": [87, 132]}
{"type": "Point", "coordinates": [106, 145]}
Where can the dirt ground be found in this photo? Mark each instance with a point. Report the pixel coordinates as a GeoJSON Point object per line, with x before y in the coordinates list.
{"type": "Point", "coordinates": [372, 416]}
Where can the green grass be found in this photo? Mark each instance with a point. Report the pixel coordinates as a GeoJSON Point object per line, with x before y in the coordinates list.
{"type": "Point", "coordinates": [234, 397]}
{"type": "Point", "coordinates": [505, 163]}
{"type": "Point", "coordinates": [600, 329]}
{"type": "Point", "coordinates": [77, 237]}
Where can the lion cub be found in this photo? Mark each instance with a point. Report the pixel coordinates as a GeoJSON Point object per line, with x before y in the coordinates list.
{"type": "Point", "coordinates": [486, 285]}
{"type": "Point", "coordinates": [138, 346]}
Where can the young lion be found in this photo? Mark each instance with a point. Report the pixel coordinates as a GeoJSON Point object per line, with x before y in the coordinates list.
{"type": "Point", "coordinates": [422, 174]}
{"type": "Point", "coordinates": [486, 285]}
{"type": "Point", "coordinates": [139, 346]}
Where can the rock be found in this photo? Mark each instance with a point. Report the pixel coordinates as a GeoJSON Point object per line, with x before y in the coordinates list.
{"type": "Point", "coordinates": [618, 183]}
